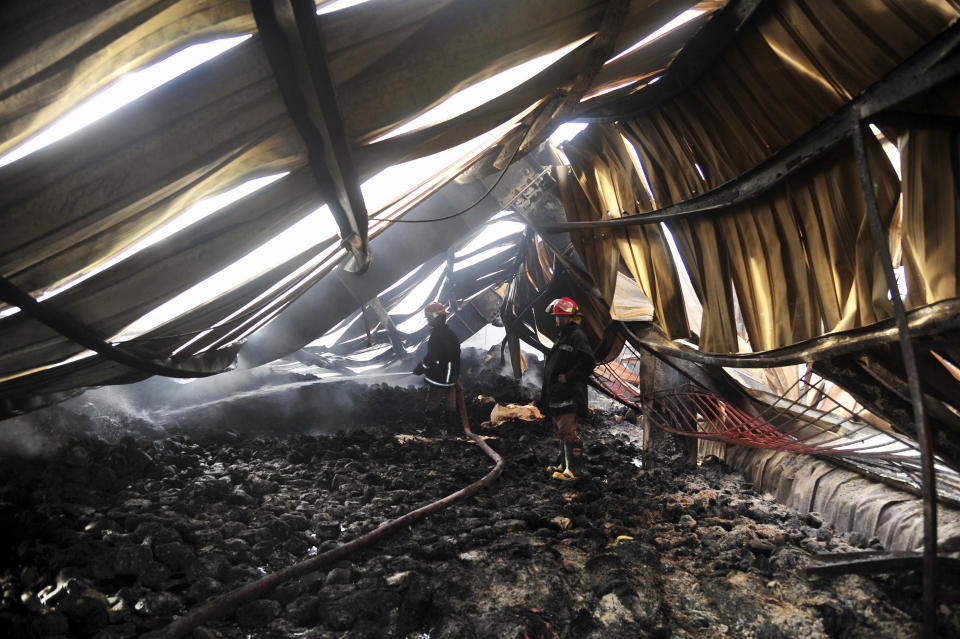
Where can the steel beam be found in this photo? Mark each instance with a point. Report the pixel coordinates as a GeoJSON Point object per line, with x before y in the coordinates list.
{"type": "Point", "coordinates": [934, 319]}
{"type": "Point", "coordinates": [917, 120]}
{"type": "Point", "coordinates": [297, 55]}
{"type": "Point", "coordinates": [396, 341]}
{"type": "Point", "coordinates": [197, 366]}
{"type": "Point", "coordinates": [870, 563]}
{"type": "Point", "coordinates": [601, 50]}
{"type": "Point", "coordinates": [924, 436]}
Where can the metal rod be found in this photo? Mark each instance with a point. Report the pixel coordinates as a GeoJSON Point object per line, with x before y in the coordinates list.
{"type": "Point", "coordinates": [198, 366]}
{"type": "Point", "coordinates": [869, 563]}
{"type": "Point", "coordinates": [938, 317]}
{"type": "Point", "coordinates": [928, 486]}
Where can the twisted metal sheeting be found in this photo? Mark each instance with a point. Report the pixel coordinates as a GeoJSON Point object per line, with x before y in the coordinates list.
{"type": "Point", "coordinates": [811, 423]}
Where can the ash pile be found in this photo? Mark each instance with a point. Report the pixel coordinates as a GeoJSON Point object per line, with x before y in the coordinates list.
{"type": "Point", "coordinates": [115, 527]}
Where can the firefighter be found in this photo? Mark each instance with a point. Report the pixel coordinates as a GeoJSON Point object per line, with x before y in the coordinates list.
{"type": "Point", "coordinates": [441, 369]}
{"type": "Point", "coordinates": [564, 396]}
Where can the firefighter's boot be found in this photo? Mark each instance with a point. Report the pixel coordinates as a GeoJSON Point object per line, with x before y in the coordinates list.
{"type": "Point", "coordinates": [559, 462]}
{"type": "Point", "coordinates": [573, 458]}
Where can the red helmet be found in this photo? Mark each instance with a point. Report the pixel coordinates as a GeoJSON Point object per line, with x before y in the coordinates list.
{"type": "Point", "coordinates": [434, 309]}
{"type": "Point", "coordinates": [563, 306]}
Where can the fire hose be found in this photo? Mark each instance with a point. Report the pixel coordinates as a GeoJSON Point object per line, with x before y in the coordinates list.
{"type": "Point", "coordinates": [225, 604]}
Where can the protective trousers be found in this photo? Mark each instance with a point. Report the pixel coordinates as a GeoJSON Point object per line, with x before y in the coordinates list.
{"type": "Point", "coordinates": [572, 461]}
{"type": "Point", "coordinates": [442, 410]}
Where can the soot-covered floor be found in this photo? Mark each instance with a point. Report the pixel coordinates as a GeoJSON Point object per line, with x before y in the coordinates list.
{"type": "Point", "coordinates": [113, 527]}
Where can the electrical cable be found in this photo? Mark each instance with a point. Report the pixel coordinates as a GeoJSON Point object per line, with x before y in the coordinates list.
{"type": "Point", "coordinates": [503, 172]}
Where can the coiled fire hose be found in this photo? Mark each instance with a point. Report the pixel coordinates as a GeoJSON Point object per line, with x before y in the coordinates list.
{"type": "Point", "coordinates": [225, 604]}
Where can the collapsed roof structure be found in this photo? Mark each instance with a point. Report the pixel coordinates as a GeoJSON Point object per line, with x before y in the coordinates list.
{"type": "Point", "coordinates": [766, 196]}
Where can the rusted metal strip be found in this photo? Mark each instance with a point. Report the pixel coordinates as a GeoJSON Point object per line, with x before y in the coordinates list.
{"type": "Point", "coordinates": [601, 49]}
{"type": "Point", "coordinates": [929, 483]}
{"type": "Point", "coordinates": [869, 563]}
{"type": "Point", "coordinates": [933, 319]}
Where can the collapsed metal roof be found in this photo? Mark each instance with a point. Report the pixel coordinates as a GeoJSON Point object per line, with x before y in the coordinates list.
{"type": "Point", "coordinates": [752, 181]}
{"type": "Point", "coordinates": [725, 155]}
{"type": "Point", "coordinates": [101, 225]}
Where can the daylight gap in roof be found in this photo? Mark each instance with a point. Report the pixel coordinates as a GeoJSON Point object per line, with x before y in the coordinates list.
{"type": "Point", "coordinates": [891, 149]}
{"type": "Point", "coordinates": [481, 256]}
{"type": "Point", "coordinates": [368, 354]}
{"type": "Point", "coordinates": [566, 132]}
{"type": "Point", "coordinates": [337, 5]}
{"type": "Point", "coordinates": [417, 297]}
{"type": "Point", "coordinates": [299, 273]}
{"type": "Point", "coordinates": [73, 358]}
{"type": "Point", "coordinates": [301, 236]}
{"type": "Point", "coordinates": [122, 92]}
{"type": "Point", "coordinates": [331, 337]}
{"type": "Point", "coordinates": [320, 263]}
{"type": "Point", "coordinates": [675, 23]}
{"type": "Point", "coordinates": [491, 232]}
{"type": "Point", "coordinates": [691, 302]}
{"type": "Point", "coordinates": [254, 327]}
{"type": "Point", "coordinates": [612, 88]}
{"type": "Point", "coordinates": [407, 179]}
{"type": "Point", "coordinates": [638, 165]}
{"type": "Point", "coordinates": [199, 211]}
{"type": "Point", "coordinates": [482, 92]}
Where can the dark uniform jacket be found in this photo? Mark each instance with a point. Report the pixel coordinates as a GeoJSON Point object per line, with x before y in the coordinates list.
{"type": "Point", "coordinates": [441, 364]}
{"type": "Point", "coordinates": [572, 356]}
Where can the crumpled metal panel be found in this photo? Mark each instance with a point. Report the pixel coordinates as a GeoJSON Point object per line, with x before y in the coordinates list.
{"type": "Point", "coordinates": [790, 68]}
{"type": "Point", "coordinates": [843, 498]}
{"type": "Point", "coordinates": [931, 215]}
{"type": "Point", "coordinates": [603, 182]}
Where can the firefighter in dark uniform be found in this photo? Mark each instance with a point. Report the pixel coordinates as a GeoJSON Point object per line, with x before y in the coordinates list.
{"type": "Point", "coordinates": [441, 369]}
{"type": "Point", "coordinates": [564, 396]}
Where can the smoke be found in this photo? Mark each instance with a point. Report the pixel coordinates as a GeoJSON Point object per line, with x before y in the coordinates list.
{"type": "Point", "coordinates": [28, 437]}
{"type": "Point", "coordinates": [533, 376]}
{"type": "Point", "coordinates": [141, 410]}
{"type": "Point", "coordinates": [284, 397]}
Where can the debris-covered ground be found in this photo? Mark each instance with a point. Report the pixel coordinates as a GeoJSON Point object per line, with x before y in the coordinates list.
{"type": "Point", "coordinates": [112, 535]}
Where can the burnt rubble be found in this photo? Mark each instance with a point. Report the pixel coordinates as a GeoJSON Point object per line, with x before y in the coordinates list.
{"type": "Point", "coordinates": [115, 532]}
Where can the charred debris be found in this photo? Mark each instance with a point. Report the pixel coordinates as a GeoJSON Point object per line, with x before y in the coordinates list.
{"type": "Point", "coordinates": [754, 202]}
{"type": "Point", "coordinates": [117, 525]}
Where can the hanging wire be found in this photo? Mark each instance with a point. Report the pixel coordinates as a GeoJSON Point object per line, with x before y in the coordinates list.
{"type": "Point", "coordinates": [503, 172]}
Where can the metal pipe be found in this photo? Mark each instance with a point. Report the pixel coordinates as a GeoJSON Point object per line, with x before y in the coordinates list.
{"type": "Point", "coordinates": [225, 604]}
{"type": "Point", "coordinates": [928, 485]}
